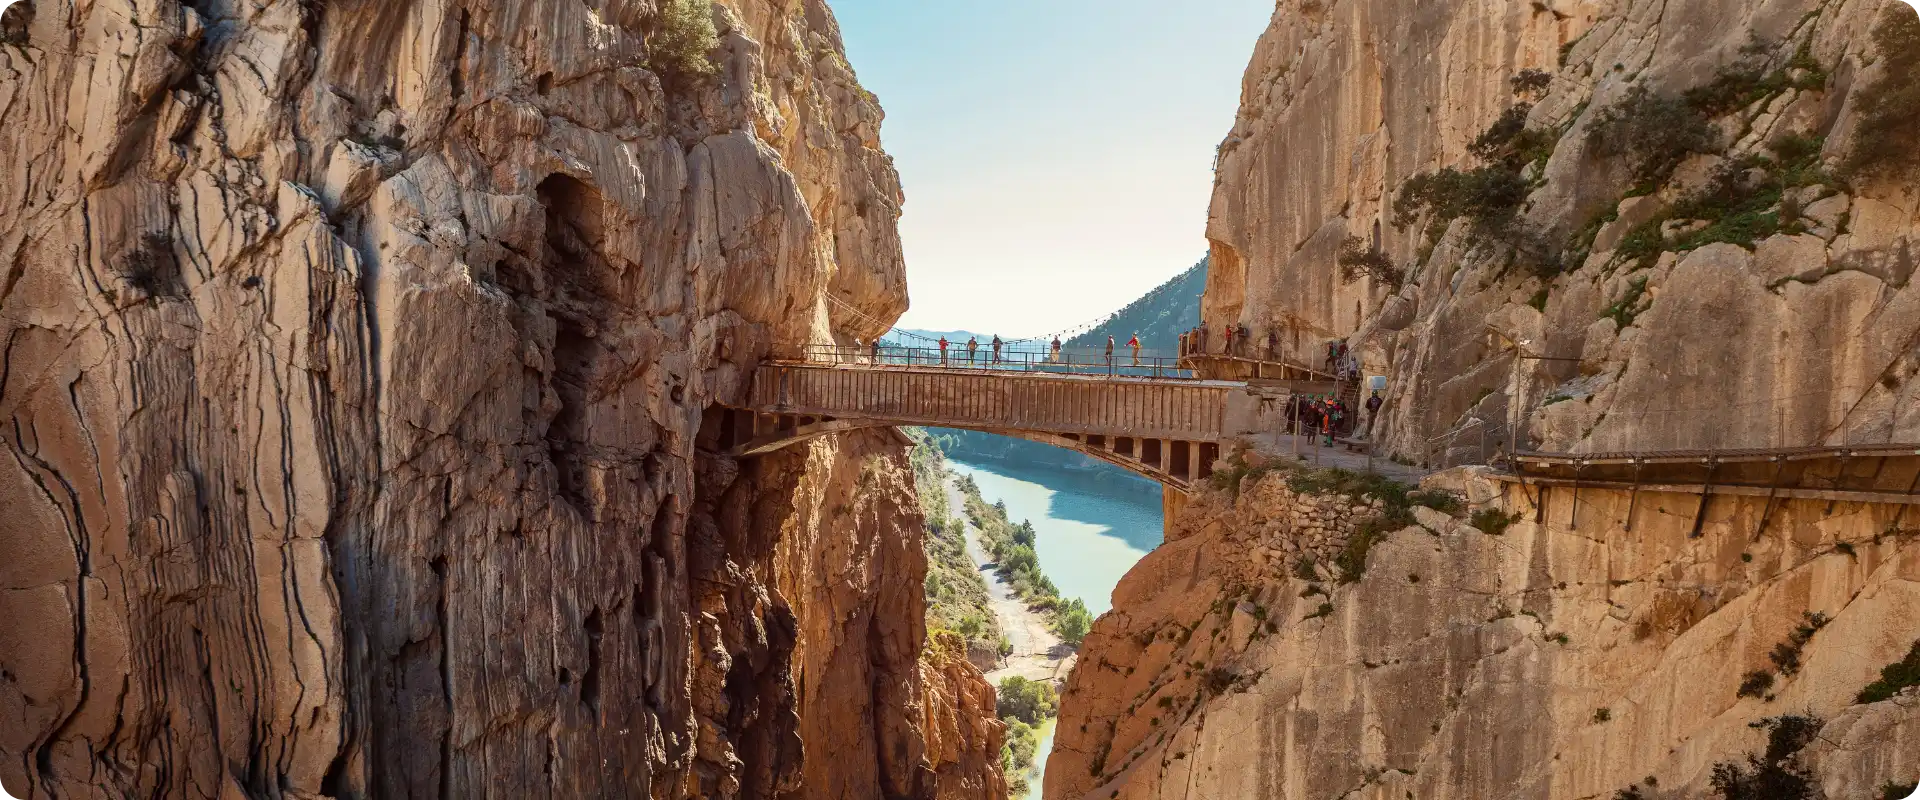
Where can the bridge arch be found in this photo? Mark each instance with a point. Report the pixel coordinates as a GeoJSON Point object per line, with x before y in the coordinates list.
{"type": "Point", "coordinates": [1176, 464]}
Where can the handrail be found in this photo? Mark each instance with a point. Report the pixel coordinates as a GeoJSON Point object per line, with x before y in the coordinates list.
{"type": "Point", "coordinates": [1123, 363]}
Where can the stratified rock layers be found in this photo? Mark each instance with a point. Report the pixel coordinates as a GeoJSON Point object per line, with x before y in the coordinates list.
{"type": "Point", "coordinates": [1561, 658]}
{"type": "Point", "coordinates": [354, 359]}
{"type": "Point", "coordinates": [1807, 334]}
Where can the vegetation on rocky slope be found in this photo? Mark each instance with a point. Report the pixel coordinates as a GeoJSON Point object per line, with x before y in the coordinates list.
{"type": "Point", "coordinates": [1894, 678]}
{"type": "Point", "coordinates": [1012, 549]}
{"type": "Point", "coordinates": [1025, 706]}
{"type": "Point", "coordinates": [957, 597]}
{"type": "Point", "coordinates": [1887, 143]}
{"type": "Point", "coordinates": [683, 40]}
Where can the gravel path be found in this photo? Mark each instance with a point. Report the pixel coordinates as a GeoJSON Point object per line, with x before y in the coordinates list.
{"type": "Point", "coordinates": [1038, 653]}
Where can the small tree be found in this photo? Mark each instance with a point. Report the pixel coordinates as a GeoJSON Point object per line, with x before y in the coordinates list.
{"type": "Point", "coordinates": [683, 39]}
{"type": "Point", "coordinates": [1358, 259]}
{"type": "Point", "coordinates": [1031, 702]}
{"type": "Point", "coordinates": [1075, 622]}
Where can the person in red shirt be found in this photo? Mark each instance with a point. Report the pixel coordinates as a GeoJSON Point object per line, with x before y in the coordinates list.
{"type": "Point", "coordinates": [1135, 344]}
{"type": "Point", "coordinates": [943, 351]}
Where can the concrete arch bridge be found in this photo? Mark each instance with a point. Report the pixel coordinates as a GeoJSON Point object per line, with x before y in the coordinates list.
{"type": "Point", "coordinates": [1165, 427]}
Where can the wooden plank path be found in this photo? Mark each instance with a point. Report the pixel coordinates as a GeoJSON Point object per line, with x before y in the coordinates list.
{"type": "Point", "coordinates": [1169, 429]}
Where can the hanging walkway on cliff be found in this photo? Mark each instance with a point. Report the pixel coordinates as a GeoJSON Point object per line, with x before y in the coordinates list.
{"type": "Point", "coordinates": [1146, 415]}
{"type": "Point", "coordinates": [1158, 418]}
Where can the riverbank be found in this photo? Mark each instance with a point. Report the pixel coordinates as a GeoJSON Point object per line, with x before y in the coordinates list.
{"type": "Point", "coordinates": [1034, 651]}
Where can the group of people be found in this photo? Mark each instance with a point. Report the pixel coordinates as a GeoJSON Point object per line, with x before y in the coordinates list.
{"type": "Point", "coordinates": [973, 349]}
{"type": "Point", "coordinates": [1237, 340]}
{"type": "Point", "coordinates": [1053, 353]}
{"type": "Point", "coordinates": [1329, 417]}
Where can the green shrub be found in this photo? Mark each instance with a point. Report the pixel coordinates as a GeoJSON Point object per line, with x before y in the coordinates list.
{"type": "Point", "coordinates": [1531, 83]}
{"type": "Point", "coordinates": [1748, 81]}
{"type": "Point", "coordinates": [1771, 775]}
{"type": "Point", "coordinates": [1625, 310]}
{"type": "Point", "coordinates": [1655, 131]}
{"type": "Point", "coordinates": [1492, 521]}
{"type": "Point", "coordinates": [1446, 503]}
{"type": "Point", "coordinates": [1511, 144]}
{"type": "Point", "coordinates": [1490, 197]}
{"type": "Point", "coordinates": [1357, 259]}
{"type": "Point", "coordinates": [1028, 701]}
{"type": "Point", "coordinates": [1073, 621]}
{"type": "Point", "coordinates": [1352, 560]}
{"type": "Point", "coordinates": [1602, 715]}
{"type": "Point", "coordinates": [683, 39]}
{"type": "Point", "coordinates": [1886, 142]}
{"type": "Point", "coordinates": [1786, 655]}
{"type": "Point", "coordinates": [1894, 678]}
{"type": "Point", "coordinates": [1755, 684]}
{"type": "Point", "coordinates": [1016, 756]}
{"type": "Point", "coordinates": [1325, 610]}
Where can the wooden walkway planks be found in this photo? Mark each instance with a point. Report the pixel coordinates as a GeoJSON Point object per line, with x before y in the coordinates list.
{"type": "Point", "coordinates": [983, 400]}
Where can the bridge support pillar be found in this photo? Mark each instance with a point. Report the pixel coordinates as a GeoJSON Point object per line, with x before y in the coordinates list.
{"type": "Point", "coordinates": [1172, 503]}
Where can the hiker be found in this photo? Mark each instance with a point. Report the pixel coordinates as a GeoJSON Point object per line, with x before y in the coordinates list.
{"type": "Point", "coordinates": [1331, 413]}
{"type": "Point", "coordinates": [1227, 348]}
{"type": "Point", "coordinates": [876, 349]}
{"type": "Point", "coordinates": [973, 346]}
{"type": "Point", "coordinates": [1273, 344]}
{"type": "Point", "coordinates": [1135, 344]}
{"type": "Point", "coordinates": [1201, 347]}
{"type": "Point", "coordinates": [943, 351]}
{"type": "Point", "coordinates": [1333, 354]}
{"type": "Point", "coordinates": [996, 348]}
{"type": "Point", "coordinates": [1109, 351]}
{"type": "Point", "coordinates": [1056, 349]}
{"type": "Point", "coordinates": [1373, 411]}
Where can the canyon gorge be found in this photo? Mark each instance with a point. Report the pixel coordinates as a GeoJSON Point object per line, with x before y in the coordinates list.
{"type": "Point", "coordinates": [369, 374]}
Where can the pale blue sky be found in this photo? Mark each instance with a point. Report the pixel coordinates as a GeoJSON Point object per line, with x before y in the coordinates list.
{"type": "Point", "coordinates": [1057, 154]}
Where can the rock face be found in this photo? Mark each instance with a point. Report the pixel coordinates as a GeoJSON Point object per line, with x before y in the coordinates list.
{"type": "Point", "coordinates": [1652, 311]}
{"type": "Point", "coordinates": [1550, 661]}
{"type": "Point", "coordinates": [354, 359]}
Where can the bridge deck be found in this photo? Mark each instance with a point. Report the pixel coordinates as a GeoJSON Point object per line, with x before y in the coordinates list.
{"type": "Point", "coordinates": [998, 400]}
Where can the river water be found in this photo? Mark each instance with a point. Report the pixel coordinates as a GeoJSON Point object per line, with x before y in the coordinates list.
{"type": "Point", "coordinates": [1088, 534]}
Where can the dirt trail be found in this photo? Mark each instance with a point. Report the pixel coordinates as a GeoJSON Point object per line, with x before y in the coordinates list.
{"type": "Point", "coordinates": [1038, 653]}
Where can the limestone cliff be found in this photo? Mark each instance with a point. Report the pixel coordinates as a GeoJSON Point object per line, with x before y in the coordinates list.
{"type": "Point", "coordinates": [1572, 225]}
{"type": "Point", "coordinates": [1602, 220]}
{"type": "Point", "coordinates": [1257, 654]}
{"type": "Point", "coordinates": [354, 359]}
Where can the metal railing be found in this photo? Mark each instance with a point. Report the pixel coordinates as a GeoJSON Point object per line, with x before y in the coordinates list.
{"type": "Point", "coordinates": [1122, 363]}
{"type": "Point", "coordinates": [1475, 442]}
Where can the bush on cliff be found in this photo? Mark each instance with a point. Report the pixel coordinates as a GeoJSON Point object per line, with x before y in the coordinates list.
{"type": "Point", "coordinates": [1772, 775]}
{"type": "Point", "coordinates": [1894, 678]}
{"type": "Point", "coordinates": [1655, 132]}
{"type": "Point", "coordinates": [683, 40]}
{"type": "Point", "coordinates": [1357, 259]}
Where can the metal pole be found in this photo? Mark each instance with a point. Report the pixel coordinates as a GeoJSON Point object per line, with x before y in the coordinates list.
{"type": "Point", "coordinates": [1293, 403]}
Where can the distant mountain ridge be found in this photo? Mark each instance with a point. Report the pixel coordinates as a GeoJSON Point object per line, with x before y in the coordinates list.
{"type": "Point", "coordinates": [1160, 316]}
